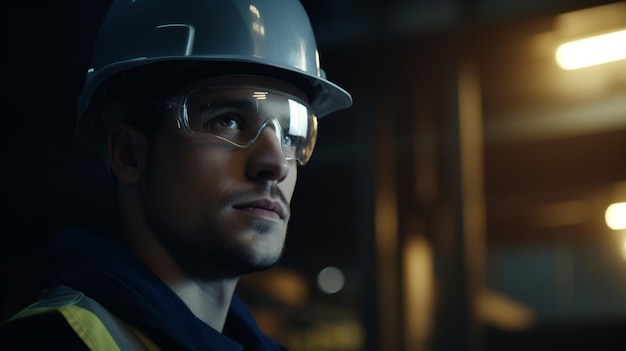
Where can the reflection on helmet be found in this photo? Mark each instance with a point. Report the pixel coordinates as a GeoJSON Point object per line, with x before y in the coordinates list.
{"type": "Point", "coordinates": [266, 34]}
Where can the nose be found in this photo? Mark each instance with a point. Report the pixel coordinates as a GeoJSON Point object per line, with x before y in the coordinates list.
{"type": "Point", "coordinates": [266, 158]}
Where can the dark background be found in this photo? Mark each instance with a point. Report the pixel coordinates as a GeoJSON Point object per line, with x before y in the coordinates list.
{"type": "Point", "coordinates": [395, 151]}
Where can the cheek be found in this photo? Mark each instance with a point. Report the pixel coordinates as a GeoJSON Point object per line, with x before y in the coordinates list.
{"type": "Point", "coordinates": [288, 185]}
{"type": "Point", "coordinates": [193, 173]}
{"type": "Point", "coordinates": [182, 183]}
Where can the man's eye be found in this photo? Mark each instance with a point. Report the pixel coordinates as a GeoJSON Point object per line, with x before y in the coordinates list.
{"type": "Point", "coordinates": [289, 140]}
{"type": "Point", "coordinates": [226, 121]}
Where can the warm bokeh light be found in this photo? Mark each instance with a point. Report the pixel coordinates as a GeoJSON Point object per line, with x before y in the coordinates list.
{"type": "Point", "coordinates": [615, 216]}
{"type": "Point", "coordinates": [419, 292]}
{"type": "Point", "coordinates": [592, 51]}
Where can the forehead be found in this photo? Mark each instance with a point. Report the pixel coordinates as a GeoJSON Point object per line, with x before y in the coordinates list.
{"type": "Point", "coordinates": [246, 81]}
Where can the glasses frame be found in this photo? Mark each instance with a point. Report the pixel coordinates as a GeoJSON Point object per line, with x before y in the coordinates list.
{"type": "Point", "coordinates": [179, 105]}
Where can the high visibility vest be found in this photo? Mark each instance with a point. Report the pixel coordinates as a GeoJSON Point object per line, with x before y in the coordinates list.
{"type": "Point", "coordinates": [97, 328]}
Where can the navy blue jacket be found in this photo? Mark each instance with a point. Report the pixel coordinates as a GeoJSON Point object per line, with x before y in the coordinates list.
{"type": "Point", "coordinates": [112, 275]}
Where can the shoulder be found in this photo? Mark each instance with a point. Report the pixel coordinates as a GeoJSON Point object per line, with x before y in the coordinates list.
{"type": "Point", "coordinates": [67, 319]}
{"type": "Point", "coordinates": [46, 331]}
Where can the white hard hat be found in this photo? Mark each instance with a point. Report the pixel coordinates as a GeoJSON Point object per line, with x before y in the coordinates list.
{"type": "Point", "coordinates": [275, 34]}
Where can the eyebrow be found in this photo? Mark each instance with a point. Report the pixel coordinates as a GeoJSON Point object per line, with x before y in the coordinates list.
{"type": "Point", "coordinates": [246, 106]}
{"type": "Point", "coordinates": [240, 104]}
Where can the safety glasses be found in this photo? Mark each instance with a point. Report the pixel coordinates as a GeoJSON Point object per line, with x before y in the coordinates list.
{"type": "Point", "coordinates": [238, 116]}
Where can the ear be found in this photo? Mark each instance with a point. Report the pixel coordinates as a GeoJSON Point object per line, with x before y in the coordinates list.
{"type": "Point", "coordinates": [127, 150]}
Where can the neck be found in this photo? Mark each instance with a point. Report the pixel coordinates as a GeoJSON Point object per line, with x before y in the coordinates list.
{"type": "Point", "coordinates": [208, 299]}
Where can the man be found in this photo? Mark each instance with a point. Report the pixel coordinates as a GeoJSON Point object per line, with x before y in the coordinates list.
{"type": "Point", "coordinates": [203, 109]}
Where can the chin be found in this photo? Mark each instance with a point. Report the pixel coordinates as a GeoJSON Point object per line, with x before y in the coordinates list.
{"type": "Point", "coordinates": [248, 262]}
{"type": "Point", "coordinates": [254, 252]}
{"type": "Point", "coordinates": [265, 255]}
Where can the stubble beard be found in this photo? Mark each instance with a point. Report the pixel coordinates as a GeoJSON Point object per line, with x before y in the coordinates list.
{"type": "Point", "coordinates": [204, 252]}
{"type": "Point", "coordinates": [203, 255]}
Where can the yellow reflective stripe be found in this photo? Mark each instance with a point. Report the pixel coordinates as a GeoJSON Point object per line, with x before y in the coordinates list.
{"type": "Point", "coordinates": [89, 328]}
{"type": "Point", "coordinates": [91, 322]}
{"type": "Point", "coordinates": [84, 323]}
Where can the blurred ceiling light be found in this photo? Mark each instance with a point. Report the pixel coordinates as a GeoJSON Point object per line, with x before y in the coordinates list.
{"type": "Point", "coordinates": [592, 51]}
{"type": "Point", "coordinates": [615, 216]}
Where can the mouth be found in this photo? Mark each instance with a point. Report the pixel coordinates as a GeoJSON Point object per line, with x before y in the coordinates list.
{"type": "Point", "coordinates": [264, 207]}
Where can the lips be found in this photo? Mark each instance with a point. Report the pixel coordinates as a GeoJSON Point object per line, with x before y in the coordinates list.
{"type": "Point", "coordinates": [266, 205]}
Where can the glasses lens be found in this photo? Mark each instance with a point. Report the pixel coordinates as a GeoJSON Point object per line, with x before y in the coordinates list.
{"type": "Point", "coordinates": [239, 115]}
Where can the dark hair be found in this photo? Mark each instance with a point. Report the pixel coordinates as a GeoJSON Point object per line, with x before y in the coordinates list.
{"type": "Point", "coordinates": [129, 96]}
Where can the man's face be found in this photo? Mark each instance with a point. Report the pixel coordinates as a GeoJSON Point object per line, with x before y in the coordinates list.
{"type": "Point", "coordinates": [219, 209]}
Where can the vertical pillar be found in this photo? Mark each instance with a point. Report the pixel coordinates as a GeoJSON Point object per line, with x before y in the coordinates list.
{"type": "Point", "coordinates": [386, 235]}
{"type": "Point", "coordinates": [473, 211]}
{"type": "Point", "coordinates": [462, 214]}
